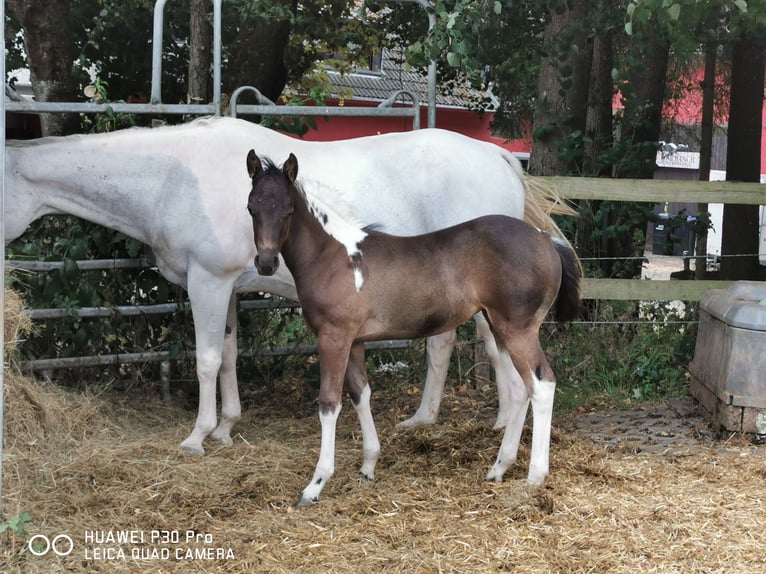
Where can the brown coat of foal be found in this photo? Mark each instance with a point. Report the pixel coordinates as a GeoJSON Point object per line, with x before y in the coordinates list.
{"type": "Point", "coordinates": [357, 285]}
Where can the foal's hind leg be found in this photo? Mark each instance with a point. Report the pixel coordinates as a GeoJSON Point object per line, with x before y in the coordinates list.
{"type": "Point", "coordinates": [528, 356]}
{"type": "Point", "coordinates": [359, 389]}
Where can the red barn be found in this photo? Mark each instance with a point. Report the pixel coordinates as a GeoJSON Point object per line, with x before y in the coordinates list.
{"type": "Point", "coordinates": [389, 74]}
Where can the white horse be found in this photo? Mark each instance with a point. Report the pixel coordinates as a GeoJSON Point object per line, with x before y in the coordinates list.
{"type": "Point", "coordinates": [182, 190]}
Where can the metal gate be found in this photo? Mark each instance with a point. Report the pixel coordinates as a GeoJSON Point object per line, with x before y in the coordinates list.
{"type": "Point", "coordinates": [155, 106]}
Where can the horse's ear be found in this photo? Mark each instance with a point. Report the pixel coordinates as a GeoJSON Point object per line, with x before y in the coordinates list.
{"type": "Point", "coordinates": [290, 168]}
{"type": "Point", "coordinates": [253, 163]}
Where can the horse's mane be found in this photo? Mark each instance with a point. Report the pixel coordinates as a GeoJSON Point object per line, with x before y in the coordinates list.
{"type": "Point", "coordinates": [330, 208]}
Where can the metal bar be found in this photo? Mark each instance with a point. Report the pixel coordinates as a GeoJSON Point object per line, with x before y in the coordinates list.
{"type": "Point", "coordinates": [156, 93]}
{"type": "Point", "coordinates": [427, 6]}
{"type": "Point", "coordinates": [82, 264]}
{"type": "Point", "coordinates": [157, 309]}
{"type": "Point", "coordinates": [2, 262]}
{"type": "Point", "coordinates": [203, 109]}
{"type": "Point", "coordinates": [217, 49]}
{"type": "Point", "coordinates": [324, 111]}
{"type": "Point", "coordinates": [154, 356]}
{"type": "Point", "coordinates": [116, 107]}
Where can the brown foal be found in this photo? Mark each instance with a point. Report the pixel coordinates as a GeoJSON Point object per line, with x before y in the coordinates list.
{"type": "Point", "coordinates": [357, 285]}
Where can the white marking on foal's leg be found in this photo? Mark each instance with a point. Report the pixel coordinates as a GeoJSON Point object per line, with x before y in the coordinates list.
{"type": "Point", "coordinates": [517, 414]}
{"type": "Point", "coordinates": [370, 442]}
{"type": "Point", "coordinates": [326, 465]}
{"type": "Point", "coordinates": [542, 412]}
{"type": "Point", "coordinates": [438, 351]}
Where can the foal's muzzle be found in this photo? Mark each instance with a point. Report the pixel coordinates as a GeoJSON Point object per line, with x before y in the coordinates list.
{"type": "Point", "coordinates": [266, 264]}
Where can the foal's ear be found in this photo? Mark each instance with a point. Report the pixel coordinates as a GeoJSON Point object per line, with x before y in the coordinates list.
{"type": "Point", "coordinates": [290, 168]}
{"type": "Point", "coordinates": [254, 166]}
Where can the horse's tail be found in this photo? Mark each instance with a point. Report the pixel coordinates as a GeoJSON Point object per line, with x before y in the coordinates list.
{"type": "Point", "coordinates": [541, 199]}
{"type": "Point", "coordinates": [569, 300]}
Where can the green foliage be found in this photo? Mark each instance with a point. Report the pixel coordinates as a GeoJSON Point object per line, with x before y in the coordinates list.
{"type": "Point", "coordinates": [16, 524]}
{"type": "Point", "coordinates": [108, 121]}
{"type": "Point", "coordinates": [634, 353]}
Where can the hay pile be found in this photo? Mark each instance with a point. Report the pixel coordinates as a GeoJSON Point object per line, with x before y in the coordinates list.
{"type": "Point", "coordinates": [79, 464]}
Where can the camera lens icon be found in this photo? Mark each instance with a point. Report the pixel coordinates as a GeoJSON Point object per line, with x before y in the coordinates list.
{"type": "Point", "coordinates": [62, 545]}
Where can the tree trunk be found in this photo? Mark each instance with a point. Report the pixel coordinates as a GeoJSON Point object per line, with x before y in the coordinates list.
{"type": "Point", "coordinates": [639, 135]}
{"type": "Point", "coordinates": [563, 89]}
{"type": "Point", "coordinates": [200, 53]}
{"type": "Point", "coordinates": [739, 239]}
{"type": "Point", "coordinates": [49, 47]}
{"type": "Point", "coordinates": [256, 57]}
{"type": "Point", "coordinates": [598, 127]}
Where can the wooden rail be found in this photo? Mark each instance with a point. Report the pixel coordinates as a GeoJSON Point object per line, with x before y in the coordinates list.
{"type": "Point", "coordinates": [656, 191]}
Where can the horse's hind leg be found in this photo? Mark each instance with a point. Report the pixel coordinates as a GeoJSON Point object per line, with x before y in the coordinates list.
{"type": "Point", "coordinates": [231, 411]}
{"type": "Point", "coordinates": [527, 354]}
{"type": "Point", "coordinates": [359, 389]}
{"type": "Point", "coordinates": [438, 351]}
{"type": "Point", "coordinates": [510, 387]}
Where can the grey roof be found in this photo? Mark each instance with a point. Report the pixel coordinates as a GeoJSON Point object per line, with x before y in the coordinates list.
{"type": "Point", "coordinates": [395, 75]}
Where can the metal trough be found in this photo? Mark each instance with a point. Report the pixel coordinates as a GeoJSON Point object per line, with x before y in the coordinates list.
{"type": "Point", "coordinates": [728, 372]}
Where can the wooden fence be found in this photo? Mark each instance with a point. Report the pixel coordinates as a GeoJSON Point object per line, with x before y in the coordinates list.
{"type": "Point", "coordinates": [657, 191]}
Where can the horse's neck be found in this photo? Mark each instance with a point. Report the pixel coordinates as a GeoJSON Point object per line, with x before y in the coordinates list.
{"type": "Point", "coordinates": [76, 177]}
{"type": "Point", "coordinates": [306, 240]}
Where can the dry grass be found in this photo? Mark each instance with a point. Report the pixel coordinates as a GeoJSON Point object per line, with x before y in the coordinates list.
{"type": "Point", "coordinates": [79, 463]}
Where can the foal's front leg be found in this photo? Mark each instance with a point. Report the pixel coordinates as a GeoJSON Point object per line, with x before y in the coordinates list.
{"type": "Point", "coordinates": [333, 358]}
{"type": "Point", "coordinates": [359, 389]}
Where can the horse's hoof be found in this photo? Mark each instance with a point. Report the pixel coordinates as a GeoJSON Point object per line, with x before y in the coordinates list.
{"type": "Point", "coordinates": [303, 501]}
{"type": "Point", "coordinates": [192, 448]}
{"type": "Point", "coordinates": [223, 438]}
{"type": "Point", "coordinates": [500, 424]}
{"type": "Point", "coordinates": [495, 476]}
{"type": "Point", "coordinates": [415, 422]}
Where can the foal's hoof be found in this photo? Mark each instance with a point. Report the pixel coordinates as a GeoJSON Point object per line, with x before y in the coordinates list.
{"type": "Point", "coordinates": [303, 501]}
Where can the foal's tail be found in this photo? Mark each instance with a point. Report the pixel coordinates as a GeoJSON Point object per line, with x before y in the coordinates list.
{"type": "Point", "coordinates": [569, 300]}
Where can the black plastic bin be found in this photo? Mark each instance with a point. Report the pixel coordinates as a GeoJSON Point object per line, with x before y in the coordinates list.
{"type": "Point", "coordinates": [670, 238]}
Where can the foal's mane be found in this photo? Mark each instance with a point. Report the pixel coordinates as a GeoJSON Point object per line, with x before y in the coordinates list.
{"type": "Point", "coordinates": [330, 208]}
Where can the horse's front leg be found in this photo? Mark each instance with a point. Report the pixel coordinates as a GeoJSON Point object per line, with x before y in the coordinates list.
{"type": "Point", "coordinates": [231, 410]}
{"type": "Point", "coordinates": [208, 295]}
{"type": "Point", "coordinates": [359, 388]}
{"type": "Point", "coordinates": [334, 348]}
{"type": "Point", "coordinates": [438, 351]}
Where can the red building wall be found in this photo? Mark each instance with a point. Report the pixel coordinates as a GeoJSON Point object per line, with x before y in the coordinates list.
{"type": "Point", "coordinates": [454, 119]}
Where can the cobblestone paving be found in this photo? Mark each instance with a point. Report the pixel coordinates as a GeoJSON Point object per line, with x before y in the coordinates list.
{"type": "Point", "coordinates": [671, 428]}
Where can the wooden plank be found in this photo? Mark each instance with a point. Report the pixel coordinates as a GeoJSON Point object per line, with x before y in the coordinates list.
{"type": "Point", "coordinates": [649, 290]}
{"type": "Point", "coordinates": [660, 190]}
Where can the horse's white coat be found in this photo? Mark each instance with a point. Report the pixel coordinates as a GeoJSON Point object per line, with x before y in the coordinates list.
{"type": "Point", "coordinates": [183, 190]}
